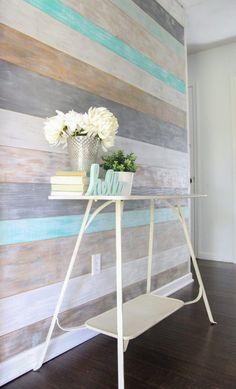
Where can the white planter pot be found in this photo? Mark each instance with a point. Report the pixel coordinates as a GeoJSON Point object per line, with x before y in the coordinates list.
{"type": "Point", "coordinates": [127, 178]}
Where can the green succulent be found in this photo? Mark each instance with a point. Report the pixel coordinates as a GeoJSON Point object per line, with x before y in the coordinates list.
{"type": "Point", "coordinates": [119, 162]}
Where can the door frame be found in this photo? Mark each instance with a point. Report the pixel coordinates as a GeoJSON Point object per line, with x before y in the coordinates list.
{"type": "Point", "coordinates": [193, 164]}
{"type": "Point", "coordinates": [233, 134]}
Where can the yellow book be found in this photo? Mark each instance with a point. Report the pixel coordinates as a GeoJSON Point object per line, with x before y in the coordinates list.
{"type": "Point", "coordinates": [69, 188]}
{"type": "Point", "coordinates": [71, 173]}
{"type": "Point", "coordinates": [69, 180]}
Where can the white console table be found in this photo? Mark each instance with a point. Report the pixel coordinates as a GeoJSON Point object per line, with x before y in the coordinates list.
{"type": "Point", "coordinates": [131, 319]}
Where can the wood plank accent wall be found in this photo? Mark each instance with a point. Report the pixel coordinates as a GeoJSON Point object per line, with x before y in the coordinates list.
{"type": "Point", "coordinates": [127, 55]}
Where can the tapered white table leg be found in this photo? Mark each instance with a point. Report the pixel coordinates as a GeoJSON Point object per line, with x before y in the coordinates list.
{"type": "Point", "coordinates": [64, 286]}
{"type": "Point", "coordinates": [150, 247]}
{"type": "Point", "coordinates": [119, 296]}
{"type": "Point", "coordinates": [195, 264]}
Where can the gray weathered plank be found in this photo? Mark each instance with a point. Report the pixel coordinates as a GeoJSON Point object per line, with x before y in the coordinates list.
{"type": "Point", "coordinates": [161, 16]}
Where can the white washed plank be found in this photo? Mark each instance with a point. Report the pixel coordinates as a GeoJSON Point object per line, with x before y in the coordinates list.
{"type": "Point", "coordinates": [31, 21]}
{"type": "Point", "coordinates": [27, 308]}
{"type": "Point", "coordinates": [26, 131]}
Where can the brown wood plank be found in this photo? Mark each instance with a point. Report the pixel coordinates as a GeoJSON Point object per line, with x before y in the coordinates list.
{"type": "Point", "coordinates": [29, 53]}
{"type": "Point", "coordinates": [25, 165]}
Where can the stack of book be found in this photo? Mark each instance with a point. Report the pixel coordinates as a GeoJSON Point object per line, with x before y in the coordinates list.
{"type": "Point", "coordinates": [66, 183]}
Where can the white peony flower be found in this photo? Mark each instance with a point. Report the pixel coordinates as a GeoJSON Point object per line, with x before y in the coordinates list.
{"type": "Point", "coordinates": [107, 143]}
{"type": "Point", "coordinates": [74, 121]}
{"type": "Point", "coordinates": [102, 123]}
{"type": "Point", "coordinates": [54, 129]}
{"type": "Point", "coordinates": [98, 122]}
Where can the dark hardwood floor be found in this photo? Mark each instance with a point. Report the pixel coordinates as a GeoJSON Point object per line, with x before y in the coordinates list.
{"type": "Point", "coordinates": [183, 351]}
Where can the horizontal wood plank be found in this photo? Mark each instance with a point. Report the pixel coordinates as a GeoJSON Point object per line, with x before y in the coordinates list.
{"type": "Point", "coordinates": [29, 230]}
{"type": "Point", "coordinates": [95, 54]}
{"type": "Point", "coordinates": [29, 53]}
{"type": "Point", "coordinates": [174, 8]}
{"type": "Point", "coordinates": [30, 93]}
{"type": "Point", "coordinates": [36, 264]}
{"type": "Point", "coordinates": [34, 334]}
{"type": "Point", "coordinates": [30, 128]}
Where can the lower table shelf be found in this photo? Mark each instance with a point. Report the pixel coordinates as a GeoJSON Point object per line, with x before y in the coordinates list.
{"type": "Point", "coordinates": [139, 315]}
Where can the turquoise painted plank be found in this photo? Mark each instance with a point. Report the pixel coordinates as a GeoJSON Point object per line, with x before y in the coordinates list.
{"type": "Point", "coordinates": [137, 14]}
{"type": "Point", "coordinates": [28, 230]}
{"type": "Point", "coordinates": [74, 20]}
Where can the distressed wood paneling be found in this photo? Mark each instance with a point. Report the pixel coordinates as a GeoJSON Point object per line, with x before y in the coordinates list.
{"type": "Point", "coordinates": [110, 17]}
{"type": "Point", "coordinates": [30, 129]}
{"type": "Point", "coordinates": [36, 264]}
{"type": "Point", "coordinates": [34, 334]}
{"type": "Point", "coordinates": [24, 51]}
{"type": "Point", "coordinates": [29, 307]}
{"type": "Point", "coordinates": [68, 16]}
{"type": "Point", "coordinates": [19, 86]}
{"type": "Point", "coordinates": [148, 176]}
{"type": "Point", "coordinates": [161, 16]}
{"type": "Point", "coordinates": [29, 230]}
{"type": "Point", "coordinates": [96, 55]}
{"type": "Point", "coordinates": [25, 165]}
{"type": "Point", "coordinates": [136, 13]}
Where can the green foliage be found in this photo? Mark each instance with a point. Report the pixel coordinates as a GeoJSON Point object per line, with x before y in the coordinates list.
{"type": "Point", "coordinates": [120, 162]}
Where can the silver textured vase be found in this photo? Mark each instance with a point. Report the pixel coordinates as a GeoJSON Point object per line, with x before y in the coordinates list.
{"type": "Point", "coordinates": [83, 152]}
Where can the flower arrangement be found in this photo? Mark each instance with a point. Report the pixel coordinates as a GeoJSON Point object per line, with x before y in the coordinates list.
{"type": "Point", "coordinates": [97, 123]}
{"type": "Point", "coordinates": [119, 162]}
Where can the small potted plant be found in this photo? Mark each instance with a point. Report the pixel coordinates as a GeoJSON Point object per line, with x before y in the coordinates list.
{"type": "Point", "coordinates": [125, 165]}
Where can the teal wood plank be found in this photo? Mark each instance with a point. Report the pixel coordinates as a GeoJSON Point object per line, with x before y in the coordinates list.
{"type": "Point", "coordinates": [28, 230]}
{"type": "Point", "coordinates": [77, 22]}
{"type": "Point", "coordinates": [137, 14]}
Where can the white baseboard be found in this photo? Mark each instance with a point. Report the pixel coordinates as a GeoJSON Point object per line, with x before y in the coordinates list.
{"type": "Point", "coordinates": [213, 257]}
{"type": "Point", "coordinates": [25, 361]}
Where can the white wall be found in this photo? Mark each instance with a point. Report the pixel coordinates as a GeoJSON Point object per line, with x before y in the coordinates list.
{"type": "Point", "coordinates": [212, 75]}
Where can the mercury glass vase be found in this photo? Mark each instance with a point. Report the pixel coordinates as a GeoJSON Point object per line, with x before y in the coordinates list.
{"type": "Point", "coordinates": [83, 152]}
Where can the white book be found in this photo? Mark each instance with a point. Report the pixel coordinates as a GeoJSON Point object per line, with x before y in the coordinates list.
{"type": "Point", "coordinates": [66, 180]}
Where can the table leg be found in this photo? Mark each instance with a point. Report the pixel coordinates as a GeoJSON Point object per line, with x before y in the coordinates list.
{"type": "Point", "coordinates": [150, 247]}
{"type": "Point", "coordinates": [119, 296]}
{"type": "Point", "coordinates": [64, 286]}
{"type": "Point", "coordinates": [194, 262]}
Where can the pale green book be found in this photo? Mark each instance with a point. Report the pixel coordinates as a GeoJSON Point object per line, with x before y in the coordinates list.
{"type": "Point", "coordinates": [71, 173]}
{"type": "Point", "coordinates": [69, 188]}
{"type": "Point", "coordinates": [71, 180]}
